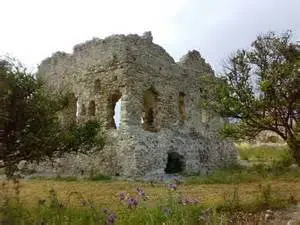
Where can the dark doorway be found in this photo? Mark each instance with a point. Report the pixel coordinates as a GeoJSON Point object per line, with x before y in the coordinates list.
{"type": "Point", "coordinates": [175, 163]}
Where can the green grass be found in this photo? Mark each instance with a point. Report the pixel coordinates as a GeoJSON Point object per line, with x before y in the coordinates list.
{"type": "Point", "coordinates": [266, 154]}
{"type": "Point", "coordinates": [237, 175]}
{"type": "Point", "coordinates": [243, 190]}
{"type": "Point", "coordinates": [98, 177]}
{"type": "Point", "coordinates": [166, 211]}
{"type": "Point", "coordinates": [268, 163]}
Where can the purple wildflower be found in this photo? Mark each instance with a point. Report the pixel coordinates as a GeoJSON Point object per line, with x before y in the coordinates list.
{"type": "Point", "coordinates": [132, 203]}
{"type": "Point", "coordinates": [141, 193]}
{"type": "Point", "coordinates": [111, 219]}
{"type": "Point", "coordinates": [186, 201]}
{"type": "Point", "coordinates": [122, 196]}
{"type": "Point", "coordinates": [173, 187]}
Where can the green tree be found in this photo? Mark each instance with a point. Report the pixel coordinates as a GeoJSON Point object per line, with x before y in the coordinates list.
{"type": "Point", "coordinates": [260, 90]}
{"type": "Point", "coordinates": [29, 126]}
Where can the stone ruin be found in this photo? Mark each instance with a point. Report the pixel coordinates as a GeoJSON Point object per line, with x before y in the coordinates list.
{"type": "Point", "coordinates": [162, 127]}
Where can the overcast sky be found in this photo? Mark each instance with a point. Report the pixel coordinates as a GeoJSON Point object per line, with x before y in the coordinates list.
{"type": "Point", "coordinates": [32, 30]}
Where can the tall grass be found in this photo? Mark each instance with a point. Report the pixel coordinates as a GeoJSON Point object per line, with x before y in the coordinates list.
{"type": "Point", "coordinates": [173, 208]}
{"type": "Point", "coordinates": [135, 209]}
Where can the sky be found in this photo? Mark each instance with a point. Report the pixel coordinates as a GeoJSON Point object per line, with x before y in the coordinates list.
{"type": "Point", "coordinates": [32, 30]}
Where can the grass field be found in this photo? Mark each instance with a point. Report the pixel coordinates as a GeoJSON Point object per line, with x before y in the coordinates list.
{"type": "Point", "coordinates": [265, 153]}
{"type": "Point", "coordinates": [270, 184]}
{"type": "Point", "coordinates": [106, 193]}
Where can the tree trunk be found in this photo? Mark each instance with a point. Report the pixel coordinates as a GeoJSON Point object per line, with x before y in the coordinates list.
{"type": "Point", "coordinates": [294, 145]}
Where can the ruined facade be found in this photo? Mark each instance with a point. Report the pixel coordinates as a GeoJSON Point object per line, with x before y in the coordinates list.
{"type": "Point", "coordinates": [161, 121]}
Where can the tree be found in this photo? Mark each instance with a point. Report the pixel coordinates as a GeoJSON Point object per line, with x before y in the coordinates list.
{"type": "Point", "coordinates": [260, 90]}
{"type": "Point", "coordinates": [29, 126]}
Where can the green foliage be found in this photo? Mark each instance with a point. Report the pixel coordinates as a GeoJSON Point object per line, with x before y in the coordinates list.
{"type": "Point", "coordinates": [99, 177]}
{"type": "Point", "coordinates": [29, 125]}
{"type": "Point", "coordinates": [259, 90]}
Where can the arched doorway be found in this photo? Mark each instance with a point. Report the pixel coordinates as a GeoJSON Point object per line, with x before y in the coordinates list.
{"type": "Point", "coordinates": [175, 163]}
{"type": "Point", "coordinates": [114, 110]}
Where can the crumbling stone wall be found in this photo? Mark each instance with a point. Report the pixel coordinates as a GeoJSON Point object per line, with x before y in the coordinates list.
{"type": "Point", "coordinates": [160, 107]}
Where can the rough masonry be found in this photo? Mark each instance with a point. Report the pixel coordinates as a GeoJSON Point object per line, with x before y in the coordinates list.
{"type": "Point", "coordinates": [162, 126]}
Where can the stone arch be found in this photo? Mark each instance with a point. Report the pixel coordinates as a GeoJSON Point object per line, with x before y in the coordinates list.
{"type": "Point", "coordinates": [149, 114]}
{"type": "Point", "coordinates": [68, 115]}
{"type": "Point", "coordinates": [97, 86]}
{"type": "Point", "coordinates": [181, 104]}
{"type": "Point", "coordinates": [117, 113]}
{"type": "Point", "coordinates": [175, 163]}
{"type": "Point", "coordinates": [113, 117]}
{"type": "Point", "coordinates": [92, 108]}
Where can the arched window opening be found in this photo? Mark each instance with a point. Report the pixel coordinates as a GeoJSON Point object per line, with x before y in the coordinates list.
{"type": "Point", "coordinates": [182, 111]}
{"type": "Point", "coordinates": [149, 114]}
{"type": "Point", "coordinates": [77, 108]}
{"type": "Point", "coordinates": [83, 110]}
{"type": "Point", "coordinates": [175, 163]}
{"type": "Point", "coordinates": [114, 110]}
{"type": "Point", "coordinates": [97, 86]}
{"type": "Point", "coordinates": [69, 113]}
{"type": "Point", "coordinates": [92, 108]}
{"type": "Point", "coordinates": [117, 114]}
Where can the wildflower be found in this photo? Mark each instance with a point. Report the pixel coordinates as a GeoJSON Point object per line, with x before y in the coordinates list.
{"type": "Point", "coordinates": [173, 187]}
{"type": "Point", "coordinates": [122, 196]}
{"type": "Point", "coordinates": [141, 193]}
{"type": "Point", "coordinates": [139, 189]}
{"type": "Point", "coordinates": [132, 203]}
{"type": "Point", "coordinates": [111, 219]}
{"type": "Point", "coordinates": [186, 201]}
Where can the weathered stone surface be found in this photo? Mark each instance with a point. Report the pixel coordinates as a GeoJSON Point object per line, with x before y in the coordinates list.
{"type": "Point", "coordinates": [160, 107]}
